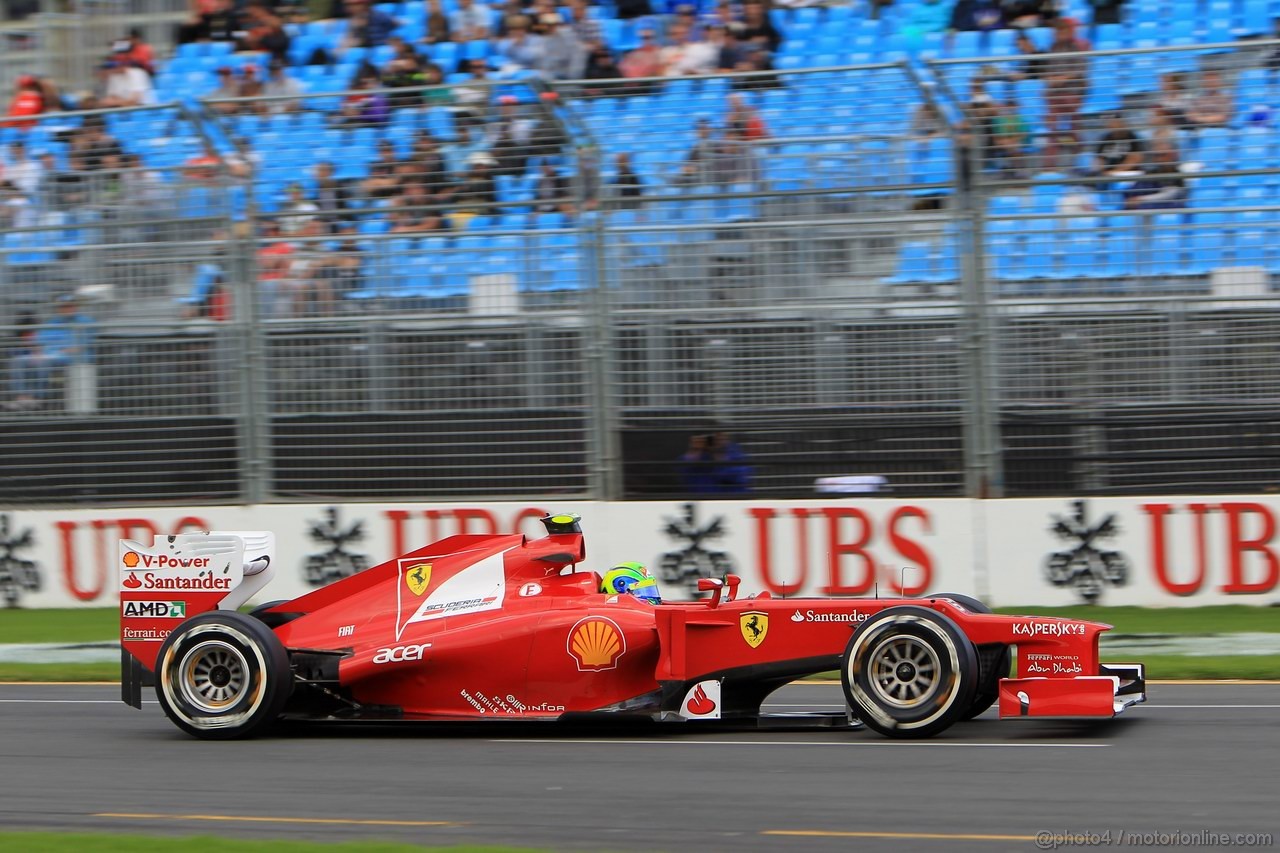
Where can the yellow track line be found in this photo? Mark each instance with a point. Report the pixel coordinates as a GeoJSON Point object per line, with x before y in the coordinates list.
{"type": "Point", "coordinates": [908, 836]}
{"type": "Point", "coordinates": [256, 819]}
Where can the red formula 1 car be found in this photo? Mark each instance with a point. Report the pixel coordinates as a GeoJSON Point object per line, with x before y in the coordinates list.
{"type": "Point", "coordinates": [504, 627]}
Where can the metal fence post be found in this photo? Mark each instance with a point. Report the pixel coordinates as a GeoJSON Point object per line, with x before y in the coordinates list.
{"type": "Point", "coordinates": [983, 453]}
{"type": "Point", "coordinates": [254, 419]}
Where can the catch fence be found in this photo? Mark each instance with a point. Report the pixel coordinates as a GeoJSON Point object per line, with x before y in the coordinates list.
{"type": "Point", "coordinates": [505, 289]}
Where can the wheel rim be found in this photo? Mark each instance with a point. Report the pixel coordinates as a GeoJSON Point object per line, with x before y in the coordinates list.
{"type": "Point", "coordinates": [214, 676]}
{"type": "Point", "coordinates": [904, 671]}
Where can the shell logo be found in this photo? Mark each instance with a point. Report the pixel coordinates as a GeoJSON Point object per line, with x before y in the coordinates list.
{"type": "Point", "coordinates": [131, 560]}
{"type": "Point", "coordinates": [596, 644]}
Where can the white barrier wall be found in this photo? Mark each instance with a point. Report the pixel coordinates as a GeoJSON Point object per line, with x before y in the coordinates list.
{"type": "Point", "coordinates": [1157, 551]}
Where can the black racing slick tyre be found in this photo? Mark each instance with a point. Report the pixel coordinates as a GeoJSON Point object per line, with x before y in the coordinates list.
{"type": "Point", "coordinates": [993, 660]}
{"type": "Point", "coordinates": [909, 672]}
{"type": "Point", "coordinates": [223, 675]}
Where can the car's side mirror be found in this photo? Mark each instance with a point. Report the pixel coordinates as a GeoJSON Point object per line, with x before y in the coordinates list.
{"type": "Point", "coordinates": [715, 586]}
{"type": "Point", "coordinates": [732, 582]}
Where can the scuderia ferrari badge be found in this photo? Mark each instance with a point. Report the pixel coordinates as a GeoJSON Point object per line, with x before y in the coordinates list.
{"type": "Point", "coordinates": [755, 627]}
{"type": "Point", "coordinates": [418, 578]}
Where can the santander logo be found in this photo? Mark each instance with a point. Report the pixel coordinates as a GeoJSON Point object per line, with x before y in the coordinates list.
{"type": "Point", "coordinates": [131, 582]}
{"type": "Point", "coordinates": [700, 704]}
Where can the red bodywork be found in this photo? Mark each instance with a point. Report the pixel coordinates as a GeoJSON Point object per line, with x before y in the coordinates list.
{"type": "Point", "coordinates": [505, 627]}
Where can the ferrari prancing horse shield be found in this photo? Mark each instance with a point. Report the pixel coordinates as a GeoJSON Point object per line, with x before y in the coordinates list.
{"type": "Point", "coordinates": [418, 577]}
{"type": "Point", "coordinates": [755, 627]}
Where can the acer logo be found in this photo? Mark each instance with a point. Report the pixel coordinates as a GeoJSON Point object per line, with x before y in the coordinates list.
{"type": "Point", "coordinates": [400, 654]}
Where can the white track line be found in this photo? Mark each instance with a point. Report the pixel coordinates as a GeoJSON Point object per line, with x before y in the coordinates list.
{"type": "Point", "coordinates": [826, 743]}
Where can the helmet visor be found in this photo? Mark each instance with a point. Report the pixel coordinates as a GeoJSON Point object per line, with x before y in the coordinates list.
{"type": "Point", "coordinates": [647, 591]}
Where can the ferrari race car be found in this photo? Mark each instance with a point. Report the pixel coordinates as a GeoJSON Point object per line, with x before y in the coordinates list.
{"type": "Point", "coordinates": [502, 627]}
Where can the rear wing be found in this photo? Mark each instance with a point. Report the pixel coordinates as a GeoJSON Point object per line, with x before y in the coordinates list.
{"type": "Point", "coordinates": [175, 578]}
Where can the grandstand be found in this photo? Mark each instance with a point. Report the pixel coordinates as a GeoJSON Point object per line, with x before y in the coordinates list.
{"type": "Point", "coordinates": [895, 253]}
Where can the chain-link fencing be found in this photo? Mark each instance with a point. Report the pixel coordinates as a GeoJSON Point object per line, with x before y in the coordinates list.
{"type": "Point", "coordinates": [775, 284]}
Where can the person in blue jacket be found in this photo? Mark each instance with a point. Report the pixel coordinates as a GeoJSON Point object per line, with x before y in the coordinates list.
{"type": "Point", "coordinates": [66, 339]}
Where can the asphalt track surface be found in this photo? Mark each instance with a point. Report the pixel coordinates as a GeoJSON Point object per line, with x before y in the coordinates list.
{"type": "Point", "coordinates": [1196, 758]}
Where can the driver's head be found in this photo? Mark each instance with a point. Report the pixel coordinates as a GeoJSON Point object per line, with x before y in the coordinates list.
{"type": "Point", "coordinates": [632, 579]}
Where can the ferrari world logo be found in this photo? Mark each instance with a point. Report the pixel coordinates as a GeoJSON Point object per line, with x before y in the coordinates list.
{"type": "Point", "coordinates": [418, 577]}
{"type": "Point", "coordinates": [755, 627]}
{"type": "Point", "coordinates": [596, 643]}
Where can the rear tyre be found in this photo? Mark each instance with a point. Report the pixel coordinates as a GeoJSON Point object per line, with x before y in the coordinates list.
{"type": "Point", "coordinates": [993, 660]}
{"type": "Point", "coordinates": [909, 672]}
{"type": "Point", "coordinates": [223, 675]}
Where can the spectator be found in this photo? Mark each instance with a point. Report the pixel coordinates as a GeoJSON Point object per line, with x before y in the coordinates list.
{"type": "Point", "coordinates": [1033, 62]}
{"type": "Point", "coordinates": [976, 15]}
{"type": "Point", "coordinates": [601, 68]}
{"type": "Point", "coordinates": [925, 122]}
{"type": "Point", "coordinates": [250, 85]}
{"type": "Point", "coordinates": [209, 298]}
{"type": "Point", "coordinates": [65, 340]}
{"type": "Point", "coordinates": [563, 56]}
{"type": "Point", "coordinates": [366, 26]}
{"type": "Point", "coordinates": [1120, 150]}
{"type": "Point", "coordinates": [1065, 76]}
{"type": "Point", "coordinates": [298, 212]}
{"type": "Point", "coordinates": [759, 29]}
{"type": "Point", "coordinates": [476, 193]}
{"type": "Point", "coordinates": [143, 189]}
{"type": "Point", "coordinates": [645, 60]}
{"type": "Point", "coordinates": [551, 192]}
{"type": "Point", "coordinates": [472, 96]}
{"type": "Point", "coordinates": [509, 138]}
{"type": "Point", "coordinates": [700, 164]}
{"type": "Point", "coordinates": [729, 53]}
{"type": "Point", "coordinates": [745, 119]}
{"type": "Point", "coordinates": [1011, 137]}
{"type": "Point", "coordinates": [126, 86]}
{"type": "Point", "coordinates": [212, 20]}
{"type": "Point", "coordinates": [225, 97]}
{"type": "Point", "coordinates": [134, 50]}
{"type": "Point", "coordinates": [93, 143]}
{"type": "Point", "coordinates": [16, 209]}
{"type": "Point", "coordinates": [402, 72]}
{"type": "Point", "coordinates": [715, 464]}
{"type": "Point", "coordinates": [585, 28]}
{"type": "Point", "coordinates": [520, 49]}
{"type": "Point", "coordinates": [1212, 105]}
{"type": "Point", "coordinates": [264, 31]}
{"type": "Point", "coordinates": [684, 56]}
{"type": "Point", "coordinates": [273, 266]}
{"type": "Point", "coordinates": [365, 106]}
{"type": "Point", "coordinates": [437, 25]}
{"type": "Point", "coordinates": [738, 161]}
{"type": "Point", "coordinates": [382, 181]}
{"type": "Point", "coordinates": [24, 172]}
{"type": "Point", "coordinates": [281, 88]}
{"type": "Point", "coordinates": [1162, 187]}
{"type": "Point", "coordinates": [626, 184]}
{"type": "Point", "coordinates": [471, 21]}
{"type": "Point", "coordinates": [28, 100]}
{"type": "Point", "coordinates": [332, 197]}
{"type": "Point", "coordinates": [1174, 102]}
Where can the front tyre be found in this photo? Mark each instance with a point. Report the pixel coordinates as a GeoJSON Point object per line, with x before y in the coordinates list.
{"type": "Point", "coordinates": [993, 660]}
{"type": "Point", "coordinates": [909, 672]}
{"type": "Point", "coordinates": [223, 675]}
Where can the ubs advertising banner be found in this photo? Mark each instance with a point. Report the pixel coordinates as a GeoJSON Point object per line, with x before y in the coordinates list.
{"type": "Point", "coordinates": [1163, 552]}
